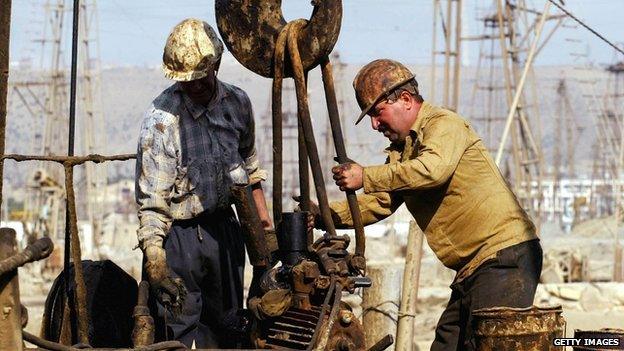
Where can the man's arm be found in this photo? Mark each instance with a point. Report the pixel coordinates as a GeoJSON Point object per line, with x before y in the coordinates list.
{"type": "Point", "coordinates": [155, 175]}
{"type": "Point", "coordinates": [252, 165]}
{"type": "Point", "coordinates": [444, 141]}
{"type": "Point", "coordinates": [373, 207]}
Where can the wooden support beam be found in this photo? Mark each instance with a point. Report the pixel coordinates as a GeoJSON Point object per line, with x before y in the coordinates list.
{"type": "Point", "coordinates": [380, 302]}
{"type": "Point", "coordinates": [5, 35]}
{"type": "Point", "coordinates": [409, 291]}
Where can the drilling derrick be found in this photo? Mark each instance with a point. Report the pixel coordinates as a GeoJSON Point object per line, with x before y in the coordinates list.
{"type": "Point", "coordinates": [46, 100]}
{"type": "Point", "coordinates": [504, 99]}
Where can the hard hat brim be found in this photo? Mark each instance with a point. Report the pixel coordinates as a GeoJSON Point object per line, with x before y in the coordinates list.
{"type": "Point", "coordinates": [361, 116]}
{"type": "Point", "coordinates": [376, 101]}
{"type": "Point", "coordinates": [183, 76]}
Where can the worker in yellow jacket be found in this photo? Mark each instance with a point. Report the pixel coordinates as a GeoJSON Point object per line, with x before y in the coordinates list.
{"type": "Point", "coordinates": [439, 167]}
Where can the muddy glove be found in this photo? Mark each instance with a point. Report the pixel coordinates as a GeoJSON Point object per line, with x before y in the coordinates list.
{"type": "Point", "coordinates": [315, 220]}
{"type": "Point", "coordinates": [272, 304]}
{"type": "Point", "coordinates": [169, 291]}
{"type": "Point", "coordinates": [270, 237]}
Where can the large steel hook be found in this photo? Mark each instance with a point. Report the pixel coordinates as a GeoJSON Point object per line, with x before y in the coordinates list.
{"type": "Point", "coordinates": [250, 28]}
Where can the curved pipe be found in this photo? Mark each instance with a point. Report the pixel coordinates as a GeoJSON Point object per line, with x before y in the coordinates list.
{"type": "Point", "coordinates": [39, 250]}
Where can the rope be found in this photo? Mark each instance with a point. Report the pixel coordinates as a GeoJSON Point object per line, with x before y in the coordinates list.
{"type": "Point", "coordinates": [587, 27]}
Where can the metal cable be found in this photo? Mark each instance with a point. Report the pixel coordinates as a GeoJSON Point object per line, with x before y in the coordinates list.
{"type": "Point", "coordinates": [587, 27]}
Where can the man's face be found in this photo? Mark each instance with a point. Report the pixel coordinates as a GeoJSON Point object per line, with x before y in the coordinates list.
{"type": "Point", "coordinates": [391, 118]}
{"type": "Point", "coordinates": [200, 90]}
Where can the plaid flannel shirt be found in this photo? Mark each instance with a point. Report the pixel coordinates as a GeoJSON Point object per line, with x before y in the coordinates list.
{"type": "Point", "coordinates": [162, 183]}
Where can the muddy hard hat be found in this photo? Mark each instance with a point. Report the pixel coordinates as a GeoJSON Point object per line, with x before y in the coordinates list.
{"type": "Point", "coordinates": [192, 49]}
{"type": "Point", "coordinates": [377, 80]}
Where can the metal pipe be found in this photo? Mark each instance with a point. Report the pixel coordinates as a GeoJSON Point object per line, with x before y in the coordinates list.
{"type": "Point", "coordinates": [73, 81]}
{"type": "Point", "coordinates": [70, 160]}
{"type": "Point", "coordinates": [70, 152]}
{"type": "Point", "coordinates": [304, 116]}
{"type": "Point", "coordinates": [40, 249]}
{"type": "Point", "coordinates": [276, 113]}
{"type": "Point", "coordinates": [304, 177]}
{"type": "Point", "coordinates": [50, 345]}
{"type": "Point", "coordinates": [383, 343]}
{"type": "Point", "coordinates": [304, 171]}
{"type": "Point", "coordinates": [331, 319]}
{"type": "Point", "coordinates": [46, 344]}
{"type": "Point", "coordinates": [11, 320]}
{"type": "Point", "coordinates": [5, 35]}
{"type": "Point", "coordinates": [519, 88]}
{"type": "Point", "coordinates": [341, 152]}
{"type": "Point", "coordinates": [325, 306]}
{"type": "Point", "coordinates": [251, 227]}
{"type": "Point", "coordinates": [81, 289]}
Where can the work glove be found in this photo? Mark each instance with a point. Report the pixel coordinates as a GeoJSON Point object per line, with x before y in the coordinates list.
{"type": "Point", "coordinates": [315, 220]}
{"type": "Point", "coordinates": [169, 291]}
{"type": "Point", "coordinates": [270, 305]}
{"type": "Point", "coordinates": [270, 237]}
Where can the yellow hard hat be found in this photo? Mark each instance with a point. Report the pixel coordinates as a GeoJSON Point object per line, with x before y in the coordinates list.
{"type": "Point", "coordinates": [377, 80]}
{"type": "Point", "coordinates": [192, 49]}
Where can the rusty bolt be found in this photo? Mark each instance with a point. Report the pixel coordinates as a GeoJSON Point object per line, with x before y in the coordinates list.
{"type": "Point", "coordinates": [6, 311]}
{"type": "Point", "coordinates": [346, 317]}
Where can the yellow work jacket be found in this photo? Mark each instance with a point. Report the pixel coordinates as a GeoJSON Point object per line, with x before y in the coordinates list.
{"type": "Point", "coordinates": [452, 187]}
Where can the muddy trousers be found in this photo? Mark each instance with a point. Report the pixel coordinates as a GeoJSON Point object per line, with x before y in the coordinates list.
{"type": "Point", "coordinates": [508, 280]}
{"type": "Point", "coordinates": [208, 254]}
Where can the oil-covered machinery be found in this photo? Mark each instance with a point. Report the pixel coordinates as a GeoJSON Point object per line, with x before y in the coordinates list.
{"type": "Point", "coordinates": [299, 305]}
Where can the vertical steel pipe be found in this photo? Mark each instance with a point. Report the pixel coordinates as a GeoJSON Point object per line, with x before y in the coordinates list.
{"type": "Point", "coordinates": [304, 172]}
{"type": "Point", "coordinates": [276, 111]}
{"type": "Point", "coordinates": [81, 289]}
{"type": "Point", "coordinates": [72, 241]}
{"type": "Point", "coordinates": [5, 34]}
{"type": "Point", "coordinates": [304, 115]}
{"type": "Point", "coordinates": [341, 152]}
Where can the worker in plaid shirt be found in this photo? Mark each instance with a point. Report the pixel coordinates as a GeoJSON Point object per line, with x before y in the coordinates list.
{"type": "Point", "coordinates": [196, 140]}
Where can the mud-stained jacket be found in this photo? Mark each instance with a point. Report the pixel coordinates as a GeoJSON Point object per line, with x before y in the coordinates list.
{"type": "Point", "coordinates": [452, 187]}
{"type": "Point", "coordinates": [188, 156]}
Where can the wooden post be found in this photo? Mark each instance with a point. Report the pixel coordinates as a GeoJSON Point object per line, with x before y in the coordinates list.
{"type": "Point", "coordinates": [380, 302]}
{"type": "Point", "coordinates": [5, 34]}
{"type": "Point", "coordinates": [10, 308]}
{"type": "Point", "coordinates": [618, 267]}
{"type": "Point", "coordinates": [409, 291]}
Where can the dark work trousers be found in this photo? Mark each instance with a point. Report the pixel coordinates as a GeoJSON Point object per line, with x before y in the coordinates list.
{"type": "Point", "coordinates": [508, 280]}
{"type": "Point", "coordinates": [208, 254]}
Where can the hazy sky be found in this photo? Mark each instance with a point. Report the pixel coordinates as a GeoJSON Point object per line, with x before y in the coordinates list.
{"type": "Point", "coordinates": [134, 32]}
